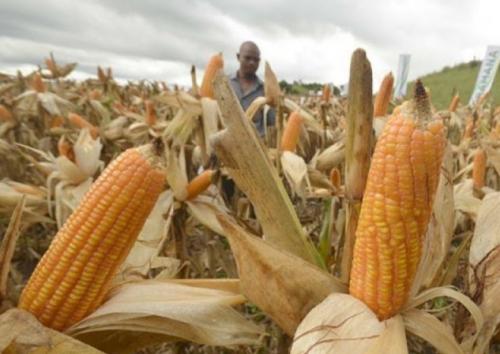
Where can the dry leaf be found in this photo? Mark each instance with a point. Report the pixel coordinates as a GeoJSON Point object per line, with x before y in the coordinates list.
{"type": "Point", "coordinates": [143, 255]}
{"type": "Point", "coordinates": [341, 324]}
{"type": "Point", "coordinates": [283, 285]}
{"type": "Point", "coordinates": [484, 259]}
{"type": "Point", "coordinates": [175, 311]}
{"type": "Point", "coordinates": [8, 245]}
{"type": "Point", "coordinates": [22, 333]}
{"type": "Point", "coordinates": [295, 170]}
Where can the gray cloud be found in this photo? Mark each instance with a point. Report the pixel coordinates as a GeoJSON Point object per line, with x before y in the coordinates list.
{"type": "Point", "coordinates": [310, 40]}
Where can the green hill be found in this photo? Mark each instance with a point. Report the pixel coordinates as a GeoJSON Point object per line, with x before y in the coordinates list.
{"type": "Point", "coordinates": [461, 78]}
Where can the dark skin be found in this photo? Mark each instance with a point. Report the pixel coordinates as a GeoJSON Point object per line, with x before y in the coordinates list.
{"type": "Point", "coordinates": [249, 58]}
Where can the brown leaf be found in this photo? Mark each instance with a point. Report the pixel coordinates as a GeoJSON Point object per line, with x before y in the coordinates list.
{"type": "Point", "coordinates": [283, 285]}
{"type": "Point", "coordinates": [22, 333]}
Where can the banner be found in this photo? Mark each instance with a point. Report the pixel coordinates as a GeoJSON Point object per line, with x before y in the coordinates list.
{"type": "Point", "coordinates": [486, 74]}
{"type": "Point", "coordinates": [402, 75]}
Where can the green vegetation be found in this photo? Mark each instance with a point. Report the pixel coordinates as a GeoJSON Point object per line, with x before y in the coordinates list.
{"type": "Point", "coordinates": [460, 78]}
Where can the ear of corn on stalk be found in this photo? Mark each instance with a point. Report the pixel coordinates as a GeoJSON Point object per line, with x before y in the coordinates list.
{"type": "Point", "coordinates": [291, 133]}
{"type": "Point", "coordinates": [383, 96]}
{"type": "Point", "coordinates": [479, 169]}
{"type": "Point", "coordinates": [74, 275]}
{"type": "Point", "coordinates": [199, 184]}
{"type": "Point", "coordinates": [454, 103]}
{"type": "Point", "coordinates": [396, 208]}
{"type": "Point", "coordinates": [215, 63]}
{"type": "Point", "coordinates": [82, 123]}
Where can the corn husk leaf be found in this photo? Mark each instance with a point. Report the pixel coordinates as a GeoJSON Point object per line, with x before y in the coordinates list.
{"type": "Point", "coordinates": [295, 170]}
{"type": "Point", "coordinates": [170, 311]}
{"type": "Point", "coordinates": [246, 161]}
{"type": "Point", "coordinates": [309, 121]}
{"type": "Point", "coordinates": [465, 201]}
{"type": "Point", "coordinates": [205, 209]}
{"type": "Point", "coordinates": [8, 245]}
{"type": "Point", "coordinates": [144, 254]}
{"type": "Point", "coordinates": [271, 86]}
{"type": "Point", "coordinates": [256, 105]}
{"type": "Point", "coordinates": [330, 157]}
{"type": "Point", "coordinates": [54, 104]}
{"type": "Point", "coordinates": [440, 229]}
{"type": "Point", "coordinates": [392, 339]}
{"type": "Point", "coordinates": [22, 333]}
{"type": "Point", "coordinates": [441, 291]}
{"type": "Point", "coordinates": [484, 259]}
{"type": "Point", "coordinates": [87, 153]}
{"type": "Point", "coordinates": [432, 330]}
{"type": "Point", "coordinates": [284, 286]}
{"type": "Point", "coordinates": [176, 173]}
{"type": "Point", "coordinates": [210, 118]}
{"type": "Point", "coordinates": [342, 324]}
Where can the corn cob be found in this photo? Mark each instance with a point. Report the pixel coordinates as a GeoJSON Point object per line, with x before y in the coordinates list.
{"type": "Point", "coordinates": [5, 115]}
{"type": "Point", "coordinates": [454, 103]}
{"type": "Point", "coordinates": [95, 94]}
{"type": "Point", "coordinates": [150, 118]}
{"type": "Point", "coordinates": [37, 83]}
{"type": "Point", "coordinates": [215, 63]}
{"type": "Point", "coordinates": [74, 275]}
{"type": "Point", "coordinates": [326, 94]}
{"type": "Point", "coordinates": [199, 184]}
{"type": "Point", "coordinates": [101, 75]}
{"type": "Point", "coordinates": [396, 207]}
{"type": "Point", "coordinates": [51, 65]}
{"type": "Point", "coordinates": [469, 129]}
{"type": "Point", "coordinates": [64, 148]}
{"type": "Point", "coordinates": [292, 132]}
{"type": "Point", "coordinates": [383, 96]}
{"type": "Point", "coordinates": [335, 177]}
{"type": "Point", "coordinates": [82, 123]}
{"type": "Point", "coordinates": [57, 122]}
{"type": "Point", "coordinates": [479, 169]}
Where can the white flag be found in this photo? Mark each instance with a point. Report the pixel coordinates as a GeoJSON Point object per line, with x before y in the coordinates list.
{"type": "Point", "coordinates": [402, 75]}
{"type": "Point", "coordinates": [486, 74]}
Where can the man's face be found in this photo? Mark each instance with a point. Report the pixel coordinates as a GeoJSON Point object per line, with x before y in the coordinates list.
{"type": "Point", "coordinates": [249, 59]}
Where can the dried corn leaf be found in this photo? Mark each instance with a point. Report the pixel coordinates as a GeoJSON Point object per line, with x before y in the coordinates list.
{"type": "Point", "coordinates": [392, 339]}
{"type": "Point", "coordinates": [281, 284]}
{"type": "Point", "coordinates": [331, 157]}
{"type": "Point", "coordinates": [176, 173]}
{"type": "Point", "coordinates": [8, 245]}
{"type": "Point", "coordinates": [247, 163]}
{"type": "Point", "coordinates": [465, 201]}
{"type": "Point", "coordinates": [342, 324]}
{"type": "Point", "coordinates": [295, 170]}
{"type": "Point", "coordinates": [22, 333]}
{"type": "Point", "coordinates": [205, 209]}
{"type": "Point", "coordinates": [143, 255]}
{"type": "Point", "coordinates": [210, 118]}
{"type": "Point", "coordinates": [172, 310]}
{"type": "Point", "coordinates": [271, 86]}
{"type": "Point", "coordinates": [484, 259]}
{"type": "Point", "coordinates": [432, 330]}
{"type": "Point", "coordinates": [87, 153]}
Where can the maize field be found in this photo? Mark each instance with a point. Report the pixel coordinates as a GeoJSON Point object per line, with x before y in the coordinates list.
{"type": "Point", "coordinates": [139, 218]}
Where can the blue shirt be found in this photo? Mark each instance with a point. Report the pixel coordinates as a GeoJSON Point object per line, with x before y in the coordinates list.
{"type": "Point", "coordinates": [247, 99]}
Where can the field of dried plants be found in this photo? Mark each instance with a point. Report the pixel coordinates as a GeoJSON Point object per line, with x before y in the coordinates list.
{"type": "Point", "coordinates": [355, 225]}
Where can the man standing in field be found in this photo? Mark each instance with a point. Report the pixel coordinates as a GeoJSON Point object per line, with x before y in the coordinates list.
{"type": "Point", "coordinates": [248, 86]}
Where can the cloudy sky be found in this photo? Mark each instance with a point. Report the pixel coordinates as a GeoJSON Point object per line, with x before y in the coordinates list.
{"type": "Point", "coordinates": [309, 41]}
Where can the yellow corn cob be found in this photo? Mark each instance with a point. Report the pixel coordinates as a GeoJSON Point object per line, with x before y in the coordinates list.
{"type": "Point", "coordinates": [396, 207]}
{"type": "Point", "coordinates": [74, 275]}
{"type": "Point", "coordinates": [383, 96]}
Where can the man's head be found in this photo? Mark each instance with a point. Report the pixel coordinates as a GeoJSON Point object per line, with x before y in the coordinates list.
{"type": "Point", "coordinates": [249, 58]}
